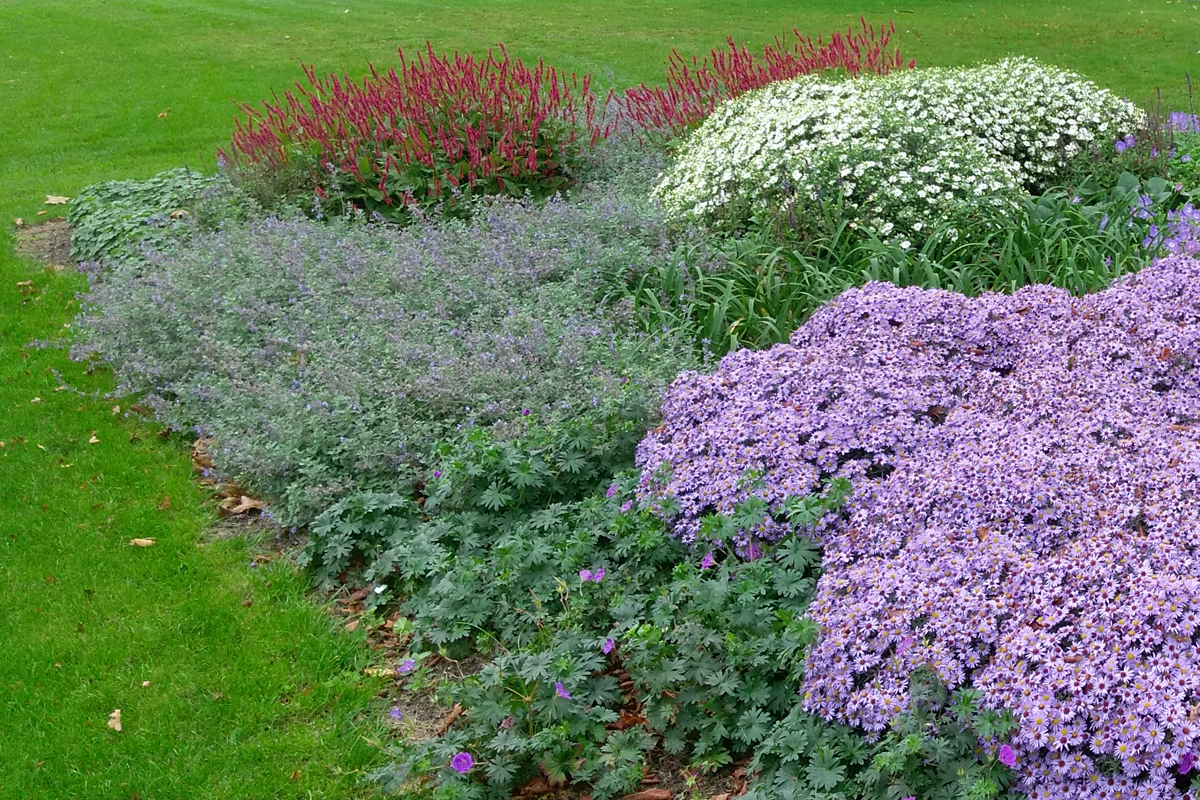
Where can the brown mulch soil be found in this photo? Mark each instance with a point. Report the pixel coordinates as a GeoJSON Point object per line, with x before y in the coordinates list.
{"type": "Point", "coordinates": [48, 242]}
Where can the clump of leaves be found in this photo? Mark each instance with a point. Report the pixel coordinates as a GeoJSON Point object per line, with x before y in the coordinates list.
{"type": "Point", "coordinates": [118, 220]}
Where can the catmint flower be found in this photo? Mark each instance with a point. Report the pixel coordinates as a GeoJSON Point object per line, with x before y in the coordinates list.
{"type": "Point", "coordinates": [707, 561]}
{"type": "Point", "coordinates": [396, 714]}
{"type": "Point", "coordinates": [1007, 756]}
{"type": "Point", "coordinates": [585, 575]}
{"type": "Point", "coordinates": [462, 762]}
{"type": "Point", "coordinates": [561, 690]}
{"type": "Point", "coordinates": [608, 646]}
{"type": "Point", "coordinates": [406, 666]}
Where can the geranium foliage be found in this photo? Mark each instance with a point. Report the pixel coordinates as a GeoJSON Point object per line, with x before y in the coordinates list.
{"type": "Point", "coordinates": [1024, 520]}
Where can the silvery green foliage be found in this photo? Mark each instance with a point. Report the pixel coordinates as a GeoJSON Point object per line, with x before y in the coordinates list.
{"type": "Point", "coordinates": [900, 154]}
{"type": "Point", "coordinates": [325, 357]}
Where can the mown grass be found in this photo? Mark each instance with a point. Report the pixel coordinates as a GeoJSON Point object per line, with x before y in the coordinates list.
{"type": "Point", "coordinates": [241, 697]}
{"type": "Point", "coordinates": [253, 691]}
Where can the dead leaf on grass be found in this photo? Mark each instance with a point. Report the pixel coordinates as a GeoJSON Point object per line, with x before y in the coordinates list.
{"type": "Point", "coordinates": [163, 114]}
{"type": "Point", "coordinates": [295, 776]}
{"type": "Point", "coordinates": [165, 503]}
{"type": "Point", "coordinates": [143, 542]}
{"type": "Point", "coordinates": [116, 410]}
{"type": "Point", "coordinates": [649, 794]}
{"type": "Point", "coordinates": [18, 222]}
{"type": "Point", "coordinates": [93, 440]}
{"type": "Point", "coordinates": [114, 720]}
{"type": "Point", "coordinates": [56, 200]}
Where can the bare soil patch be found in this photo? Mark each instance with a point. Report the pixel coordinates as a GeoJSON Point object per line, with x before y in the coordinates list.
{"type": "Point", "coordinates": [48, 242]}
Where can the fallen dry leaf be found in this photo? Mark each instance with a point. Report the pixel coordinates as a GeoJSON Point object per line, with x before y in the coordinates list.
{"type": "Point", "coordinates": [145, 684]}
{"type": "Point", "coordinates": [352, 625]}
{"type": "Point", "coordinates": [24, 283]}
{"type": "Point", "coordinates": [18, 222]}
{"type": "Point", "coordinates": [649, 794]}
{"type": "Point", "coordinates": [93, 440]}
{"type": "Point", "coordinates": [114, 720]}
{"type": "Point", "coordinates": [143, 542]}
{"type": "Point", "coordinates": [163, 114]}
{"type": "Point", "coordinates": [116, 410]}
{"type": "Point", "coordinates": [56, 200]}
{"type": "Point", "coordinates": [40, 213]}
{"type": "Point", "coordinates": [165, 503]}
{"type": "Point", "coordinates": [178, 213]}
{"type": "Point", "coordinates": [295, 775]}
{"type": "Point", "coordinates": [36, 400]}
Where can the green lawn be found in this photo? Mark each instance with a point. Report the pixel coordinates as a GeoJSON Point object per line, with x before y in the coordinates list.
{"type": "Point", "coordinates": [241, 697]}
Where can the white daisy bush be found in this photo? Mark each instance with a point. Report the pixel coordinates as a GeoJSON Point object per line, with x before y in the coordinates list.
{"type": "Point", "coordinates": [896, 155]}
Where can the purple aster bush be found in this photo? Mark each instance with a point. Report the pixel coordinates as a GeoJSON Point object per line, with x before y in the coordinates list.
{"type": "Point", "coordinates": [1026, 473]}
{"type": "Point", "coordinates": [324, 358]}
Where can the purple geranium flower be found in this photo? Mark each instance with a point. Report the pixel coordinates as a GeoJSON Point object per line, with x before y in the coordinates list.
{"type": "Point", "coordinates": [1187, 762]}
{"type": "Point", "coordinates": [707, 561]}
{"type": "Point", "coordinates": [585, 575]}
{"type": "Point", "coordinates": [462, 762]}
{"type": "Point", "coordinates": [612, 490]}
{"type": "Point", "coordinates": [608, 646]}
{"type": "Point", "coordinates": [598, 575]}
{"type": "Point", "coordinates": [396, 714]}
{"type": "Point", "coordinates": [561, 690]}
{"type": "Point", "coordinates": [1007, 756]}
{"type": "Point", "coordinates": [406, 666]}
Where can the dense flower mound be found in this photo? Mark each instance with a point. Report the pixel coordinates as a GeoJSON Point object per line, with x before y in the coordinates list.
{"type": "Point", "coordinates": [904, 151]}
{"type": "Point", "coordinates": [1025, 515]}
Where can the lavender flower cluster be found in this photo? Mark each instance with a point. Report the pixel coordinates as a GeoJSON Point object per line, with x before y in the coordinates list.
{"type": "Point", "coordinates": [1025, 514]}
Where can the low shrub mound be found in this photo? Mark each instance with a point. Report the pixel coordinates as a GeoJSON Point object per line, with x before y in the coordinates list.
{"type": "Point", "coordinates": [1024, 515]}
{"type": "Point", "coordinates": [325, 358]}
{"type": "Point", "coordinates": [432, 133]}
{"type": "Point", "coordinates": [895, 156]}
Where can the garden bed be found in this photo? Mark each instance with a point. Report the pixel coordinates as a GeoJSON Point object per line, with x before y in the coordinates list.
{"type": "Point", "coordinates": [828, 475]}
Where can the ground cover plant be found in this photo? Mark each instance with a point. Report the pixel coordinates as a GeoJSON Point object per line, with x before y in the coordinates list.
{"type": "Point", "coordinates": [327, 357]}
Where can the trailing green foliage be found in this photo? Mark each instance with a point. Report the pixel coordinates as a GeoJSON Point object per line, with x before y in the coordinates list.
{"type": "Point", "coordinates": [117, 220]}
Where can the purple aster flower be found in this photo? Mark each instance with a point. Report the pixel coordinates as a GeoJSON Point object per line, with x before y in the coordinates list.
{"type": "Point", "coordinates": [462, 762]}
{"type": "Point", "coordinates": [561, 690]}
{"type": "Point", "coordinates": [396, 714]}
{"type": "Point", "coordinates": [1006, 756]}
{"type": "Point", "coordinates": [585, 575]}
{"type": "Point", "coordinates": [1187, 762]}
{"type": "Point", "coordinates": [707, 561]}
{"type": "Point", "coordinates": [608, 646]}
